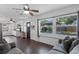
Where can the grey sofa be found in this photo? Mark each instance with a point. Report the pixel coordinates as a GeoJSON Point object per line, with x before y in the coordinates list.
{"type": "Point", "coordinates": [67, 46]}
{"type": "Point", "coordinates": [9, 48]}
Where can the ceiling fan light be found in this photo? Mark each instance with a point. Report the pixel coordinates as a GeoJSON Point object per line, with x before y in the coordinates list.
{"type": "Point", "coordinates": [26, 12]}
{"type": "Point", "coordinates": [26, 7]}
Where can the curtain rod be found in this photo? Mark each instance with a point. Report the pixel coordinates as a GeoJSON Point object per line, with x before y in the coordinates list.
{"type": "Point", "coordinates": [60, 15]}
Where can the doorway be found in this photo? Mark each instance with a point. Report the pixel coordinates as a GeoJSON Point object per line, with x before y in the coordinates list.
{"type": "Point", "coordinates": [28, 25]}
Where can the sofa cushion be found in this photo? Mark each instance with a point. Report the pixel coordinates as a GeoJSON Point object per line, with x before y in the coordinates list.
{"type": "Point", "coordinates": [75, 50]}
{"type": "Point", "coordinates": [15, 51]}
{"type": "Point", "coordinates": [59, 48]}
{"type": "Point", "coordinates": [67, 44]}
{"type": "Point", "coordinates": [55, 52]}
{"type": "Point", "coordinates": [12, 44]}
{"type": "Point", "coordinates": [74, 43]}
{"type": "Point", "coordinates": [4, 47]}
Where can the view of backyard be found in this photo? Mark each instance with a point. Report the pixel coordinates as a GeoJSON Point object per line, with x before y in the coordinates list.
{"type": "Point", "coordinates": [66, 25]}
{"type": "Point", "coordinates": [46, 26]}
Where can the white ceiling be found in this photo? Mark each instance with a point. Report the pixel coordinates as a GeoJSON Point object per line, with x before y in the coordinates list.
{"type": "Point", "coordinates": [7, 11]}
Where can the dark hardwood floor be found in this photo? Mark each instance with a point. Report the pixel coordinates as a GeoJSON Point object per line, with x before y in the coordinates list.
{"type": "Point", "coordinates": [32, 47]}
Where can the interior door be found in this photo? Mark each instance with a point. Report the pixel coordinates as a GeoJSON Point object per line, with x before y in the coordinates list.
{"type": "Point", "coordinates": [28, 25]}
{"type": "Point", "coordinates": [0, 31]}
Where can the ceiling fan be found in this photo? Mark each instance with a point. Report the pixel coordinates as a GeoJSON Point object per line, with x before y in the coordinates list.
{"type": "Point", "coordinates": [11, 20]}
{"type": "Point", "coordinates": [28, 10]}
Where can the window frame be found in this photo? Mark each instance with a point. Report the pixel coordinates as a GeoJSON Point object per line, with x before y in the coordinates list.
{"type": "Point", "coordinates": [58, 35]}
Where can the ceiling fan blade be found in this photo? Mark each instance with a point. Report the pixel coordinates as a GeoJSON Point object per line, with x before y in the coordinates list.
{"type": "Point", "coordinates": [17, 9]}
{"type": "Point", "coordinates": [34, 10]}
{"type": "Point", "coordinates": [31, 13]}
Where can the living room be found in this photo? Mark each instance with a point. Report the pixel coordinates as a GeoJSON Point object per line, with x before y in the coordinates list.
{"type": "Point", "coordinates": [39, 29]}
{"type": "Point", "coordinates": [19, 24]}
{"type": "Point", "coordinates": [49, 25]}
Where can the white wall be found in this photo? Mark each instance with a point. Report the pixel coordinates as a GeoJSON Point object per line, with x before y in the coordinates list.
{"type": "Point", "coordinates": [54, 40]}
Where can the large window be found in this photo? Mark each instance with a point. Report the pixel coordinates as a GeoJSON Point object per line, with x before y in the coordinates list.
{"type": "Point", "coordinates": [58, 26]}
{"type": "Point", "coordinates": [46, 25]}
{"type": "Point", "coordinates": [66, 25]}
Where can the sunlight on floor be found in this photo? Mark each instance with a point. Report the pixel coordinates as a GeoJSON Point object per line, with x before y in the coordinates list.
{"type": "Point", "coordinates": [10, 39]}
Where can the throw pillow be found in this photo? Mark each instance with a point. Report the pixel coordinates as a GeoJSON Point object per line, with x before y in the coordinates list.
{"type": "Point", "coordinates": [66, 38]}
{"type": "Point", "coordinates": [67, 44]}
